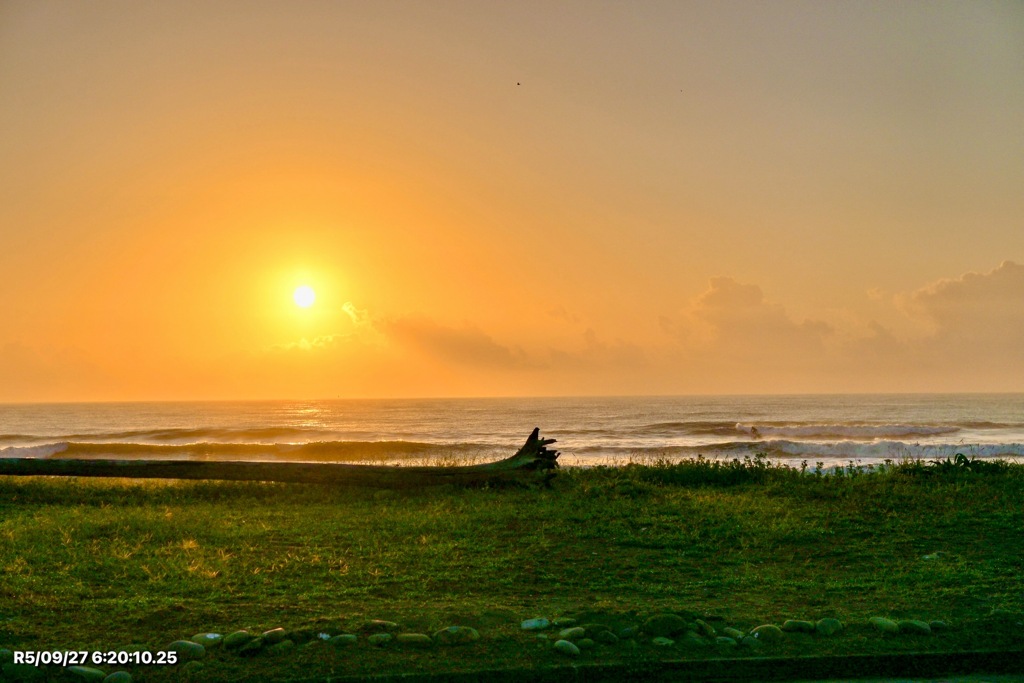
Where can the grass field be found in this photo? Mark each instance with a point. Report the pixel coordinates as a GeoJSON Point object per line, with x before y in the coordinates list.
{"type": "Point", "coordinates": [125, 565]}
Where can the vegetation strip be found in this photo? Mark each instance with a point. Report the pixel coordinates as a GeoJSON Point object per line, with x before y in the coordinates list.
{"type": "Point", "coordinates": [911, 558]}
{"type": "Point", "coordinates": [914, 664]}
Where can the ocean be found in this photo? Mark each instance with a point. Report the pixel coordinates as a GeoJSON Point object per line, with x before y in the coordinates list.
{"type": "Point", "coordinates": [832, 430]}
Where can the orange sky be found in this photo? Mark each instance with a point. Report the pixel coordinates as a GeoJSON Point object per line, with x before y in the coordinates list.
{"type": "Point", "coordinates": [509, 198]}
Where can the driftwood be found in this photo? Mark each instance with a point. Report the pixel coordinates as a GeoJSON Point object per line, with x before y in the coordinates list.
{"type": "Point", "coordinates": [533, 463]}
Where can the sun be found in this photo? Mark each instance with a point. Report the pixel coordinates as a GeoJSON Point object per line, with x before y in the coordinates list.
{"type": "Point", "coordinates": [304, 296]}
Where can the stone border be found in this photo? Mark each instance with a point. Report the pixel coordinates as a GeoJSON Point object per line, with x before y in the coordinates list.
{"type": "Point", "coordinates": [903, 665]}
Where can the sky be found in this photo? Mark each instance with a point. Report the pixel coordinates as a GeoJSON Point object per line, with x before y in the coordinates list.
{"type": "Point", "coordinates": [509, 199]}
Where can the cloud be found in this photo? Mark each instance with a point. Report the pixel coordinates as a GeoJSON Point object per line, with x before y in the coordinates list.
{"type": "Point", "coordinates": [980, 306]}
{"type": "Point", "coordinates": [734, 317]}
{"type": "Point", "coordinates": [321, 342]}
{"type": "Point", "coordinates": [460, 346]}
{"type": "Point", "coordinates": [358, 316]}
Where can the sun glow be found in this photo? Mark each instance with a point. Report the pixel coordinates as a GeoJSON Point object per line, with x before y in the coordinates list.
{"type": "Point", "coordinates": [304, 296]}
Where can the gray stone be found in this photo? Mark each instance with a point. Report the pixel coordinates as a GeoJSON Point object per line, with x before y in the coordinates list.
{"type": "Point", "coordinates": [563, 622]}
{"type": "Point", "coordinates": [235, 640]}
{"type": "Point", "coordinates": [662, 641]}
{"type": "Point", "coordinates": [274, 636]}
{"type": "Point", "coordinates": [691, 639]}
{"type": "Point", "coordinates": [187, 650]}
{"type": "Point", "coordinates": [118, 677]}
{"type": "Point", "coordinates": [208, 640]}
{"type": "Point", "coordinates": [585, 644]}
{"type": "Point", "coordinates": [281, 647]}
{"type": "Point", "coordinates": [192, 668]}
{"type": "Point", "coordinates": [593, 629]}
{"type": "Point", "coordinates": [665, 625]}
{"type": "Point", "coordinates": [86, 674]}
{"type": "Point", "coordinates": [538, 624]}
{"type": "Point", "coordinates": [726, 641]}
{"type": "Point", "coordinates": [938, 626]}
{"type": "Point", "coordinates": [883, 625]}
{"type": "Point", "coordinates": [828, 626]}
{"type": "Point", "coordinates": [628, 633]}
{"type": "Point", "coordinates": [705, 629]}
{"type": "Point", "coordinates": [564, 647]}
{"type": "Point", "coordinates": [415, 639]}
{"type": "Point", "coordinates": [798, 626]}
{"type": "Point", "coordinates": [914, 627]}
{"type": "Point", "coordinates": [733, 633]}
{"type": "Point", "coordinates": [751, 642]}
{"type": "Point", "coordinates": [6, 656]}
{"type": "Point", "coordinates": [768, 633]}
{"type": "Point", "coordinates": [252, 647]}
{"type": "Point", "coordinates": [573, 633]}
{"type": "Point", "coordinates": [378, 626]}
{"type": "Point", "coordinates": [607, 638]}
{"type": "Point", "coordinates": [457, 635]}
{"type": "Point", "coordinates": [379, 639]}
{"type": "Point", "coordinates": [343, 640]}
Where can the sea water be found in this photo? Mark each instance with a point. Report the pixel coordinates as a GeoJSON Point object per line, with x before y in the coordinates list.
{"type": "Point", "coordinates": [833, 430]}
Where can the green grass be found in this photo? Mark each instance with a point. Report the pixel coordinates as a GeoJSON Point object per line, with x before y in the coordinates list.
{"type": "Point", "coordinates": [116, 564]}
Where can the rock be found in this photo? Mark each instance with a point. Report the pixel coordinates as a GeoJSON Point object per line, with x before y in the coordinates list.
{"type": "Point", "coordinates": [343, 640]}
{"type": "Point", "coordinates": [564, 647]}
{"type": "Point", "coordinates": [208, 640]}
{"type": "Point", "coordinates": [192, 668]}
{"type": "Point", "coordinates": [628, 633]}
{"type": "Point", "coordinates": [662, 641]}
{"type": "Point", "coordinates": [379, 639]}
{"type": "Point", "coordinates": [798, 626]}
{"type": "Point", "coordinates": [87, 674]}
{"type": "Point", "coordinates": [457, 635]}
{"type": "Point", "coordinates": [938, 626]}
{"type": "Point", "coordinates": [22, 672]}
{"type": "Point", "coordinates": [585, 644]}
{"type": "Point", "coordinates": [828, 626]}
{"type": "Point", "coordinates": [538, 624]}
{"type": "Point", "coordinates": [768, 633]}
{"type": "Point", "coordinates": [691, 639]}
{"type": "Point", "coordinates": [187, 650]}
{"type": "Point", "coordinates": [235, 640]}
{"type": "Point", "coordinates": [281, 647]}
{"type": "Point", "coordinates": [593, 629]}
{"type": "Point", "coordinates": [415, 639]}
{"type": "Point", "coordinates": [733, 633]}
{"type": "Point", "coordinates": [6, 656]}
{"type": "Point", "coordinates": [705, 629]}
{"type": "Point", "coordinates": [751, 642]}
{"type": "Point", "coordinates": [563, 622]}
{"type": "Point", "coordinates": [665, 625]}
{"type": "Point", "coordinates": [274, 636]}
{"type": "Point", "coordinates": [725, 641]}
{"type": "Point", "coordinates": [914, 627]}
{"type": "Point", "coordinates": [606, 638]}
{"type": "Point", "coordinates": [118, 677]}
{"type": "Point", "coordinates": [883, 625]}
{"type": "Point", "coordinates": [574, 633]}
{"type": "Point", "coordinates": [378, 626]}
{"type": "Point", "coordinates": [252, 647]}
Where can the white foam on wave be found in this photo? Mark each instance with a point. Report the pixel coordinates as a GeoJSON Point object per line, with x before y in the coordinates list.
{"type": "Point", "coordinates": [895, 450]}
{"type": "Point", "coordinates": [44, 451]}
{"type": "Point", "coordinates": [846, 431]}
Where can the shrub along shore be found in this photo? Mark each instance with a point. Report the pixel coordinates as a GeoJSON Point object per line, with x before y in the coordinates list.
{"type": "Point", "coordinates": [910, 556]}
